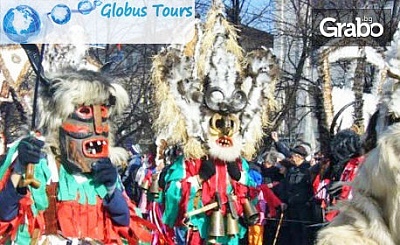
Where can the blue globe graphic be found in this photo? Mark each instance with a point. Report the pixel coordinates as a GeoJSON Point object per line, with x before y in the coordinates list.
{"type": "Point", "coordinates": [85, 7]}
{"type": "Point", "coordinates": [61, 14]}
{"type": "Point", "coordinates": [21, 23]}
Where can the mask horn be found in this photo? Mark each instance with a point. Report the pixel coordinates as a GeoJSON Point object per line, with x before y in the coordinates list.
{"type": "Point", "coordinates": [34, 56]}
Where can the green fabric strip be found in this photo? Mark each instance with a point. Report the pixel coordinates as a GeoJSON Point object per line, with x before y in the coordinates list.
{"type": "Point", "coordinates": [42, 174]}
{"type": "Point", "coordinates": [23, 236]}
{"type": "Point", "coordinates": [172, 198]}
{"type": "Point", "coordinates": [176, 171]}
{"type": "Point", "coordinates": [173, 194]}
{"type": "Point", "coordinates": [246, 168]}
{"type": "Point", "coordinates": [7, 162]}
{"type": "Point", "coordinates": [69, 189]}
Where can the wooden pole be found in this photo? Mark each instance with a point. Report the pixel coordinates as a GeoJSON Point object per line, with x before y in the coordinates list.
{"type": "Point", "coordinates": [278, 228]}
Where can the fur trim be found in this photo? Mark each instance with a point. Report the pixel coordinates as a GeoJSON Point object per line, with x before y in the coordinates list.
{"type": "Point", "coordinates": [119, 156]}
{"type": "Point", "coordinates": [58, 57]}
{"type": "Point", "coordinates": [193, 149]}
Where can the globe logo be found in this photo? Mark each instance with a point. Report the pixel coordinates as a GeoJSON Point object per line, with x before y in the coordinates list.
{"type": "Point", "coordinates": [21, 23]}
{"type": "Point", "coordinates": [85, 7]}
{"type": "Point", "coordinates": [61, 14]}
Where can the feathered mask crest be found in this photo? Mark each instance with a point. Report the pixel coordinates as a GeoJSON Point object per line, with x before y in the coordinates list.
{"type": "Point", "coordinates": [212, 98]}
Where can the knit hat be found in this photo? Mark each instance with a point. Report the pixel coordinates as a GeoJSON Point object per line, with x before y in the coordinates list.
{"type": "Point", "coordinates": [300, 150]}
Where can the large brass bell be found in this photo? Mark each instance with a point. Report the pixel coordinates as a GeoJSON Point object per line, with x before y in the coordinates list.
{"type": "Point", "coordinates": [154, 188]}
{"type": "Point", "coordinates": [232, 225]}
{"type": "Point", "coordinates": [251, 215]}
{"type": "Point", "coordinates": [145, 185]}
{"type": "Point", "coordinates": [217, 226]}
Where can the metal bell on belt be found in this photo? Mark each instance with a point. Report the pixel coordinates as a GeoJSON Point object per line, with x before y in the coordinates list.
{"type": "Point", "coordinates": [251, 215]}
{"type": "Point", "coordinates": [232, 225]}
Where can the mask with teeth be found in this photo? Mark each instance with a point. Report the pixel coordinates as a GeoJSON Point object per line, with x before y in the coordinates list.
{"type": "Point", "coordinates": [223, 136]}
{"type": "Point", "coordinates": [84, 138]}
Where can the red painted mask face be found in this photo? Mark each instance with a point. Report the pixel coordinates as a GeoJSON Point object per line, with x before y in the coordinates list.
{"type": "Point", "coordinates": [84, 138]}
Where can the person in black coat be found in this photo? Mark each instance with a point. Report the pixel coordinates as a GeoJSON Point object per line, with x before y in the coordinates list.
{"type": "Point", "coordinates": [297, 192]}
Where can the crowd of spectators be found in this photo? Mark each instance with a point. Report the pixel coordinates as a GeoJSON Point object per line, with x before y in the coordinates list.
{"type": "Point", "coordinates": [296, 188]}
{"type": "Point", "coordinates": [306, 186]}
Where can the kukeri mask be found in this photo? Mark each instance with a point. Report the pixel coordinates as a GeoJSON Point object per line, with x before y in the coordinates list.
{"type": "Point", "coordinates": [84, 138]}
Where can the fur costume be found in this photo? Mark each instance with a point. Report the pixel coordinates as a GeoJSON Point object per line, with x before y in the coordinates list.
{"type": "Point", "coordinates": [373, 214]}
{"type": "Point", "coordinates": [76, 109]}
{"type": "Point", "coordinates": [213, 101]}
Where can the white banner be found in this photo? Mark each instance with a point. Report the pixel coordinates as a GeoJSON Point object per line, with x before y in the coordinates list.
{"type": "Point", "coordinates": [97, 21]}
